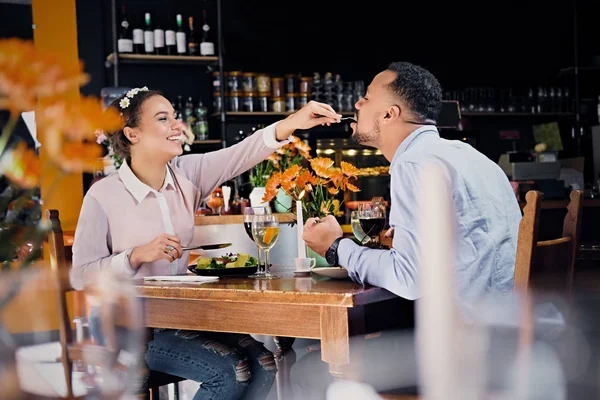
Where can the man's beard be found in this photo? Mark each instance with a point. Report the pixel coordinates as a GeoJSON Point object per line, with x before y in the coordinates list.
{"type": "Point", "coordinates": [371, 137]}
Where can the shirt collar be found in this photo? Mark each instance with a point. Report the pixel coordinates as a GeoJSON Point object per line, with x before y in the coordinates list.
{"type": "Point", "coordinates": [414, 135]}
{"type": "Point", "coordinates": [139, 189]}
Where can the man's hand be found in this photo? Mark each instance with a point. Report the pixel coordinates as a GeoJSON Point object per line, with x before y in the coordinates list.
{"type": "Point", "coordinates": [309, 116]}
{"type": "Point", "coordinates": [319, 234]}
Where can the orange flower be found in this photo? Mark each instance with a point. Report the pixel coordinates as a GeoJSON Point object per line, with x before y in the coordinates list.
{"type": "Point", "coordinates": [352, 188]}
{"type": "Point", "coordinates": [22, 166]}
{"type": "Point", "coordinates": [274, 158]}
{"type": "Point", "coordinates": [272, 186]}
{"type": "Point", "coordinates": [288, 178]}
{"type": "Point", "coordinates": [306, 180]}
{"type": "Point", "coordinates": [28, 74]}
{"type": "Point", "coordinates": [77, 156]}
{"type": "Point", "coordinates": [348, 169]}
{"type": "Point", "coordinates": [78, 119]}
{"type": "Point", "coordinates": [65, 124]}
{"type": "Point", "coordinates": [321, 166]}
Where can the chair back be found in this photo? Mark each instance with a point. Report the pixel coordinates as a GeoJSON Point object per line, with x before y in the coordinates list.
{"type": "Point", "coordinates": [528, 234]}
{"type": "Point", "coordinates": [554, 265]}
{"type": "Point", "coordinates": [60, 266]}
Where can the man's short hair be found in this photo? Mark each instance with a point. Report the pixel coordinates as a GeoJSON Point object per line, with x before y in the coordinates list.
{"type": "Point", "coordinates": [418, 89]}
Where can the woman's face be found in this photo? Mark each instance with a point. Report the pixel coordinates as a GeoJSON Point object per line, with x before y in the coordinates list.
{"type": "Point", "coordinates": [159, 134]}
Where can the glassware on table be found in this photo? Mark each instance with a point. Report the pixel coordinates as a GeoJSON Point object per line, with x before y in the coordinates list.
{"type": "Point", "coordinates": [359, 234]}
{"type": "Point", "coordinates": [265, 230]}
{"type": "Point", "coordinates": [215, 201]}
{"type": "Point", "coordinates": [249, 212]}
{"type": "Point", "coordinates": [372, 218]}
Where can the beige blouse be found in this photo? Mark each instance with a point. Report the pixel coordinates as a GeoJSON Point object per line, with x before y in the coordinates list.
{"type": "Point", "coordinates": [120, 212]}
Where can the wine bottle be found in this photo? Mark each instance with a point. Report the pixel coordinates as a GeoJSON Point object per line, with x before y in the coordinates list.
{"type": "Point", "coordinates": [192, 43]}
{"type": "Point", "coordinates": [148, 36]}
{"type": "Point", "coordinates": [138, 40]}
{"type": "Point", "coordinates": [207, 48]}
{"type": "Point", "coordinates": [125, 42]}
{"type": "Point", "coordinates": [159, 39]}
{"type": "Point", "coordinates": [181, 37]}
{"type": "Point", "coordinates": [170, 40]}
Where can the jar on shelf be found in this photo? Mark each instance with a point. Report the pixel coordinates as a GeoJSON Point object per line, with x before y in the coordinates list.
{"type": "Point", "coordinates": [278, 104]}
{"type": "Point", "coordinates": [234, 101]}
{"type": "Point", "coordinates": [234, 81]}
{"type": "Point", "coordinates": [217, 81]}
{"type": "Point", "coordinates": [291, 83]}
{"type": "Point", "coordinates": [302, 100]}
{"type": "Point", "coordinates": [262, 103]}
{"type": "Point", "coordinates": [249, 82]}
{"type": "Point", "coordinates": [263, 83]}
{"type": "Point", "coordinates": [217, 102]}
{"type": "Point", "coordinates": [291, 101]}
{"type": "Point", "coordinates": [248, 102]}
{"type": "Point", "coordinates": [277, 85]}
{"type": "Point", "coordinates": [305, 85]}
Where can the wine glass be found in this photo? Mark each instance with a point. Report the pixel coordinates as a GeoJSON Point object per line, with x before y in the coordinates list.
{"type": "Point", "coordinates": [249, 212]}
{"type": "Point", "coordinates": [362, 237]}
{"type": "Point", "coordinates": [265, 230]}
{"type": "Point", "coordinates": [372, 216]}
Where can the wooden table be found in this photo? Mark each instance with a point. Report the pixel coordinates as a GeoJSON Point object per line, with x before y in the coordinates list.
{"type": "Point", "coordinates": [313, 307]}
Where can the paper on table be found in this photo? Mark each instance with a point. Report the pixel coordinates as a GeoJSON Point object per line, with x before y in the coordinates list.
{"type": "Point", "coordinates": [182, 278]}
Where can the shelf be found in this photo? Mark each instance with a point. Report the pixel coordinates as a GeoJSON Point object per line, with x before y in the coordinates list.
{"type": "Point", "coordinates": [144, 59]}
{"type": "Point", "coordinates": [206, 142]}
{"type": "Point", "coordinates": [265, 114]}
{"type": "Point", "coordinates": [515, 114]}
{"type": "Point", "coordinates": [571, 70]}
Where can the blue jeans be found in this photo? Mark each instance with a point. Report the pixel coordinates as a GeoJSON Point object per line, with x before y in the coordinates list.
{"type": "Point", "coordinates": [227, 365]}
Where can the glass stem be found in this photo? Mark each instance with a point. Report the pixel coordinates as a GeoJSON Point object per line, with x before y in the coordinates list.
{"type": "Point", "coordinates": [259, 258]}
{"type": "Point", "coordinates": [267, 263]}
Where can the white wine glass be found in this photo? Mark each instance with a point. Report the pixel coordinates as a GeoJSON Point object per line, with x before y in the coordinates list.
{"type": "Point", "coordinates": [265, 230]}
{"type": "Point", "coordinates": [249, 213]}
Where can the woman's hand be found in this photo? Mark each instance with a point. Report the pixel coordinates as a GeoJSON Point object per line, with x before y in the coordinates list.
{"type": "Point", "coordinates": [163, 247]}
{"type": "Point", "coordinates": [309, 116]}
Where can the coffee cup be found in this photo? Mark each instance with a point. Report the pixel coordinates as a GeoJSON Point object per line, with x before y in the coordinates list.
{"type": "Point", "coordinates": [304, 264]}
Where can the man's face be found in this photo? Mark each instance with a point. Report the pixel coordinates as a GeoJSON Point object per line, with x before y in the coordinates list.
{"type": "Point", "coordinates": [371, 108]}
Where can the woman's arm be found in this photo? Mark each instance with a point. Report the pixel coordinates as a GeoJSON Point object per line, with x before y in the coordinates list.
{"type": "Point", "coordinates": [91, 249]}
{"type": "Point", "coordinates": [208, 171]}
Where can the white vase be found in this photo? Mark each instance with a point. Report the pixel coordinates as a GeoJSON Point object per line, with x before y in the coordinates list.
{"type": "Point", "coordinates": [256, 197]}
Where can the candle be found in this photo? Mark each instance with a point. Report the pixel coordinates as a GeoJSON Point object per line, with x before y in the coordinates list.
{"type": "Point", "coordinates": [300, 230]}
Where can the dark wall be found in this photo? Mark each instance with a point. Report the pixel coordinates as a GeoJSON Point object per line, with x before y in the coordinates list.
{"type": "Point", "coordinates": [15, 21]}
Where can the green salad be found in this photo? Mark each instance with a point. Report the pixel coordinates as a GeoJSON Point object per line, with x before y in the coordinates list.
{"type": "Point", "coordinates": [229, 260]}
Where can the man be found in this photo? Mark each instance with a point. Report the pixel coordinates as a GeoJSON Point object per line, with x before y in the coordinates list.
{"type": "Point", "coordinates": [398, 116]}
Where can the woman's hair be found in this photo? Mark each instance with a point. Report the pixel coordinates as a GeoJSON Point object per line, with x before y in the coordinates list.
{"type": "Point", "coordinates": [131, 117]}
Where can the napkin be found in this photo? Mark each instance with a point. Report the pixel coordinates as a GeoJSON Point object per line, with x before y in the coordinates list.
{"type": "Point", "coordinates": [182, 278]}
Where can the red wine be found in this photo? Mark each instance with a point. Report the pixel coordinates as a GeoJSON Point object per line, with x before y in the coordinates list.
{"type": "Point", "coordinates": [248, 227]}
{"type": "Point", "coordinates": [372, 226]}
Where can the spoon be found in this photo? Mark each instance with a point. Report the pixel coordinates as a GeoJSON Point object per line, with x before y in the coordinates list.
{"type": "Point", "coordinates": [351, 119]}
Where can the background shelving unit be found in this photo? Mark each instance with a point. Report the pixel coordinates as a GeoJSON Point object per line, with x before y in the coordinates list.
{"type": "Point", "coordinates": [115, 59]}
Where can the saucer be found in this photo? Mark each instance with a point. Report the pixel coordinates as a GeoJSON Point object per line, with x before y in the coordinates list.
{"type": "Point", "coordinates": [301, 273]}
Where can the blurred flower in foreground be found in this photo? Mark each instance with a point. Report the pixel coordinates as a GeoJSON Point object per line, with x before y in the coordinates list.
{"type": "Point", "coordinates": [65, 125]}
{"type": "Point", "coordinates": [28, 74]}
{"type": "Point", "coordinates": [21, 165]}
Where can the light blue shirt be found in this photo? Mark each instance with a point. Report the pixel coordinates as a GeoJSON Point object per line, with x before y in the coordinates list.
{"type": "Point", "coordinates": [487, 216]}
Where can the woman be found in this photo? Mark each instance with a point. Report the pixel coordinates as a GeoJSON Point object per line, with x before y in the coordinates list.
{"type": "Point", "coordinates": [135, 222]}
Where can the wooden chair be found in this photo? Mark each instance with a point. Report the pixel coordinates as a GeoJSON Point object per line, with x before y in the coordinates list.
{"type": "Point", "coordinates": [528, 234]}
{"type": "Point", "coordinates": [548, 264]}
{"type": "Point", "coordinates": [555, 259]}
{"type": "Point", "coordinates": [60, 261]}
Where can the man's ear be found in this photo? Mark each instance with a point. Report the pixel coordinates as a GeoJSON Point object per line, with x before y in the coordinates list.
{"type": "Point", "coordinates": [132, 134]}
{"type": "Point", "coordinates": [392, 113]}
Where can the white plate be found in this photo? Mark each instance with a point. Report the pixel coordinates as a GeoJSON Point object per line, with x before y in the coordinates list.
{"type": "Point", "coordinates": [332, 272]}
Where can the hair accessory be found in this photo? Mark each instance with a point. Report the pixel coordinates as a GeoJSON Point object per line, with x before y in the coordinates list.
{"type": "Point", "coordinates": [125, 101]}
